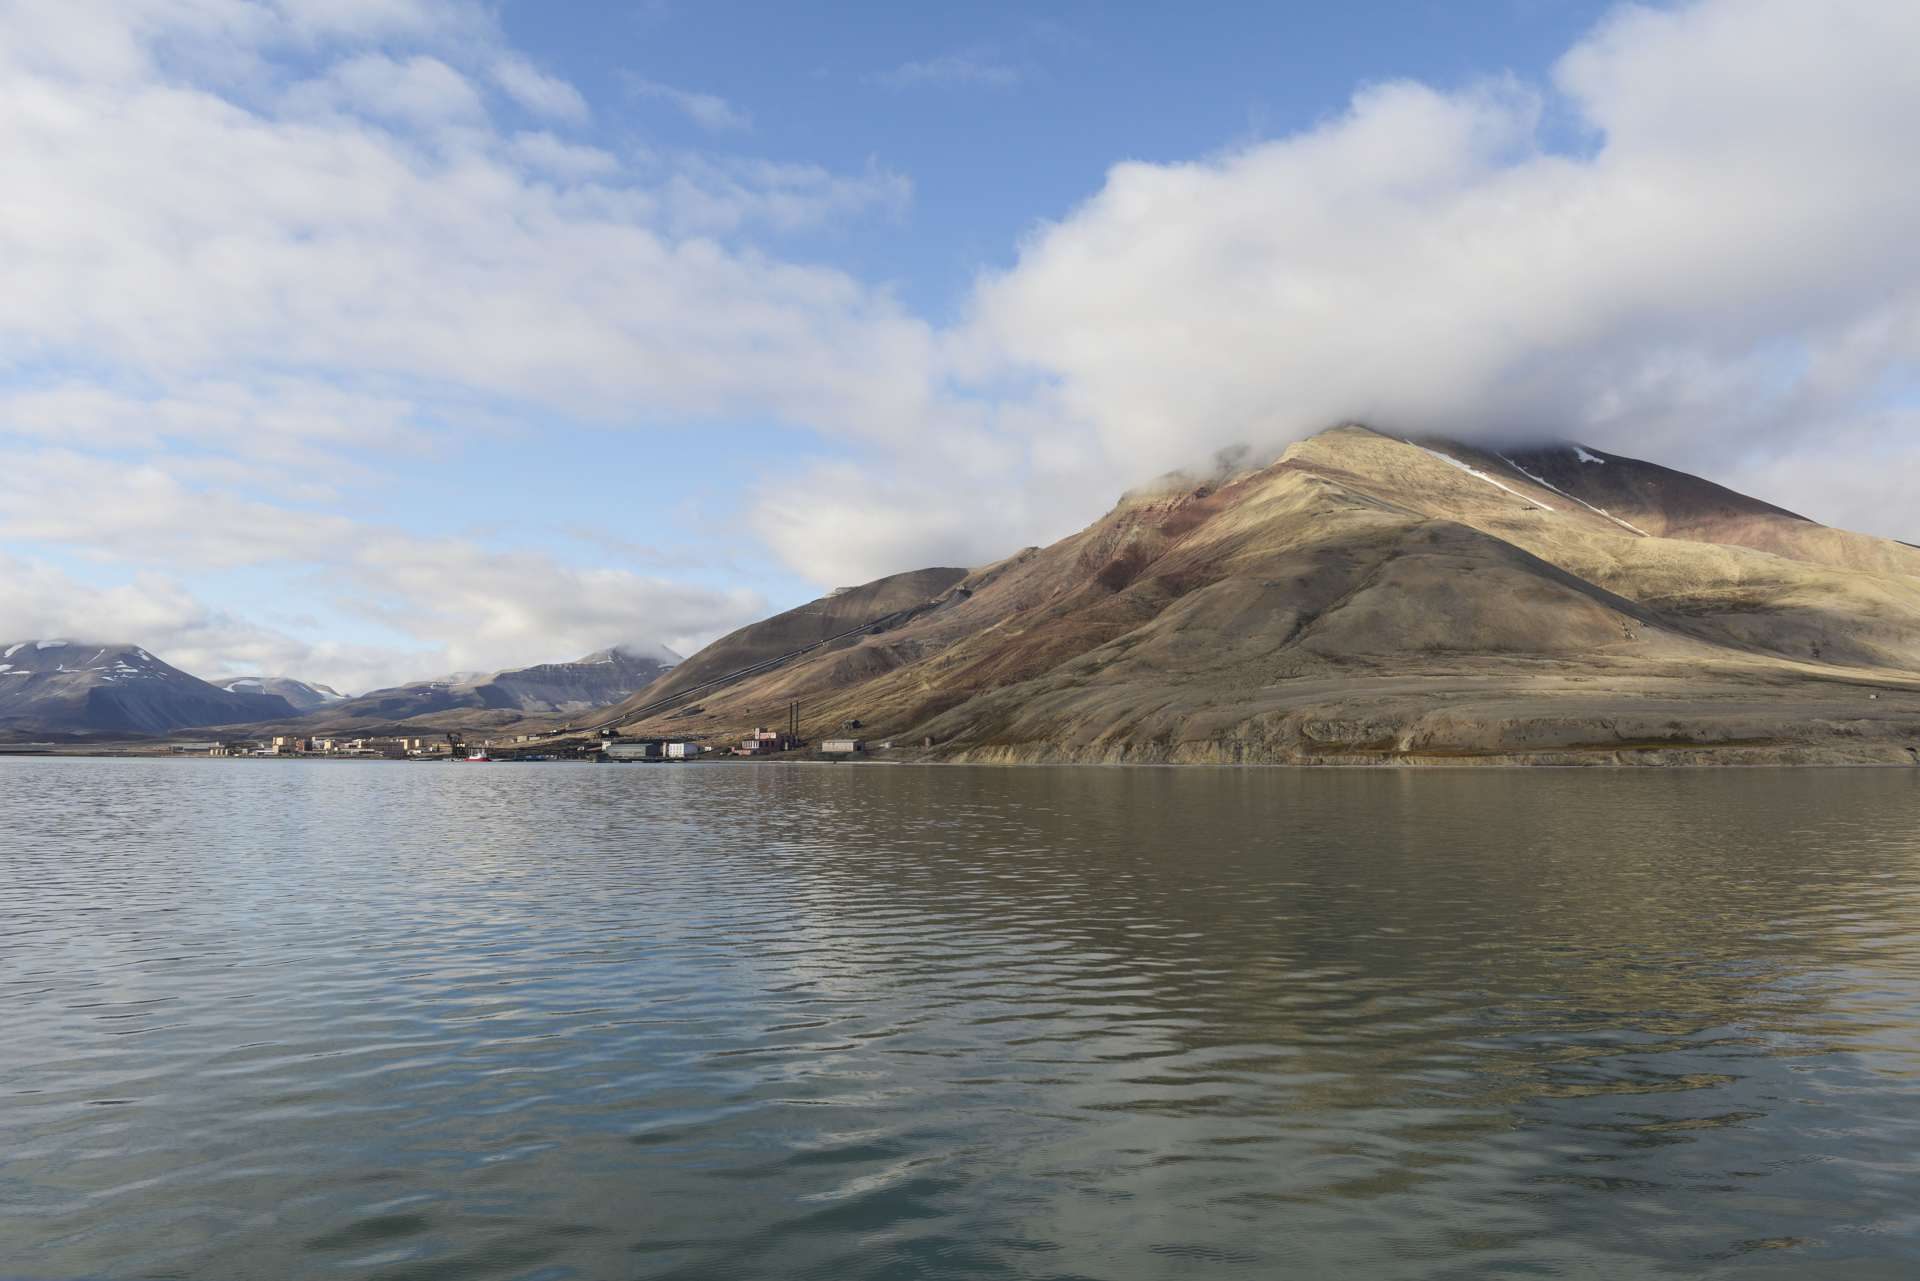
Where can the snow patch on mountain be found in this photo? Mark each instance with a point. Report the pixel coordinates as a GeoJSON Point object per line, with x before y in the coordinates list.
{"type": "Point", "coordinates": [1598, 511]}
{"type": "Point", "coordinates": [1477, 474]}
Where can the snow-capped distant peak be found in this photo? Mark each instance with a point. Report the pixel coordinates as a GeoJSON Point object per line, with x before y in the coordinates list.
{"type": "Point", "coordinates": [302, 695]}
{"type": "Point", "coordinates": [1585, 457]}
{"type": "Point", "coordinates": [49, 644]}
{"type": "Point", "coordinates": [654, 652]}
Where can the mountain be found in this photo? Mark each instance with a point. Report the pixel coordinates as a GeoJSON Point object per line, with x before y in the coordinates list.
{"type": "Point", "coordinates": [598, 680]}
{"type": "Point", "coordinates": [848, 610]}
{"type": "Point", "coordinates": [604, 677]}
{"type": "Point", "coordinates": [1370, 599]}
{"type": "Point", "coordinates": [302, 696]}
{"type": "Point", "coordinates": [70, 687]}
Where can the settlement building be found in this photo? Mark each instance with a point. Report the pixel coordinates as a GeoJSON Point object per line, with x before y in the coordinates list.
{"type": "Point", "coordinates": [765, 742]}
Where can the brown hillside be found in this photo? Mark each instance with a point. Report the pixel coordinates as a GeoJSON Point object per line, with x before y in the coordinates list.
{"type": "Point", "coordinates": [820, 620]}
{"type": "Point", "coordinates": [1367, 598]}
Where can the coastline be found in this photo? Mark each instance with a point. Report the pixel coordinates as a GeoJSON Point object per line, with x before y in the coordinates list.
{"type": "Point", "coordinates": [1888, 756]}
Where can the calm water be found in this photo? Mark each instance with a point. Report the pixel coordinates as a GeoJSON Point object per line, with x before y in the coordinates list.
{"type": "Point", "coordinates": [265, 1019]}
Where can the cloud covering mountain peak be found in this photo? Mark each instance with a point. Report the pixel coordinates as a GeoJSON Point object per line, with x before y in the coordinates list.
{"type": "Point", "coordinates": [1688, 240]}
{"type": "Point", "coordinates": [1693, 242]}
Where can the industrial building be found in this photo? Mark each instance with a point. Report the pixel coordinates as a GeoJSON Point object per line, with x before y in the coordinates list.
{"type": "Point", "coordinates": [765, 742]}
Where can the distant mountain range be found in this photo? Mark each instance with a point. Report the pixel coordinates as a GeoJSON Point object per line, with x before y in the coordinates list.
{"type": "Point", "coordinates": [1364, 599]}
{"type": "Point", "coordinates": [69, 687]}
{"type": "Point", "coordinates": [302, 696]}
{"type": "Point", "coordinates": [598, 680]}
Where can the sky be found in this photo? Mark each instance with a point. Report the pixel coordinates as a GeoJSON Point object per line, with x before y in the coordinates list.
{"type": "Point", "coordinates": [368, 340]}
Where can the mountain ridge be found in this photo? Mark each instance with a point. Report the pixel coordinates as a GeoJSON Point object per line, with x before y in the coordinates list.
{"type": "Point", "coordinates": [1438, 599]}
{"type": "Point", "coordinates": [100, 698]}
{"type": "Point", "coordinates": [63, 685]}
{"type": "Point", "coordinates": [1364, 598]}
{"type": "Point", "coordinates": [595, 680]}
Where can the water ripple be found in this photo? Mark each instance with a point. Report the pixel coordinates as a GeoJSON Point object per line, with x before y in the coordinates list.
{"type": "Point", "coordinates": [365, 1020]}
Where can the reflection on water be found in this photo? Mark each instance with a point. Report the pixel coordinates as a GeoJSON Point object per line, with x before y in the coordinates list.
{"type": "Point", "coordinates": [342, 1020]}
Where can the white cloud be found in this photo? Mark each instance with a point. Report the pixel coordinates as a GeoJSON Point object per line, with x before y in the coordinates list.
{"type": "Point", "coordinates": [159, 613]}
{"type": "Point", "coordinates": [227, 298]}
{"type": "Point", "coordinates": [538, 92]}
{"type": "Point", "coordinates": [1722, 277]}
{"type": "Point", "coordinates": [458, 606]}
{"type": "Point", "coordinates": [706, 195]}
{"type": "Point", "coordinates": [366, 19]}
{"type": "Point", "coordinates": [421, 91]}
{"type": "Point", "coordinates": [293, 420]}
{"type": "Point", "coordinates": [709, 111]}
{"type": "Point", "coordinates": [842, 525]}
{"type": "Point", "coordinates": [491, 608]}
{"type": "Point", "coordinates": [949, 71]}
{"type": "Point", "coordinates": [168, 230]}
{"type": "Point", "coordinates": [149, 512]}
{"type": "Point", "coordinates": [123, 40]}
{"type": "Point", "coordinates": [566, 160]}
{"type": "Point", "coordinates": [1860, 473]}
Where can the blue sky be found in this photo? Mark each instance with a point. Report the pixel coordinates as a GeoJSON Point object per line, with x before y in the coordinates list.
{"type": "Point", "coordinates": [364, 341]}
{"type": "Point", "coordinates": [1003, 114]}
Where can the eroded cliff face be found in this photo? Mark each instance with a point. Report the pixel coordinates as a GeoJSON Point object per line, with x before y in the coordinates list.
{"type": "Point", "coordinates": [1367, 599]}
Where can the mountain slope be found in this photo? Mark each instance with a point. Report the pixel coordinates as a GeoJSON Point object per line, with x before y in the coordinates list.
{"type": "Point", "coordinates": [67, 687]}
{"type": "Point", "coordinates": [815, 623]}
{"type": "Point", "coordinates": [1369, 598]}
{"type": "Point", "coordinates": [1664, 503]}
